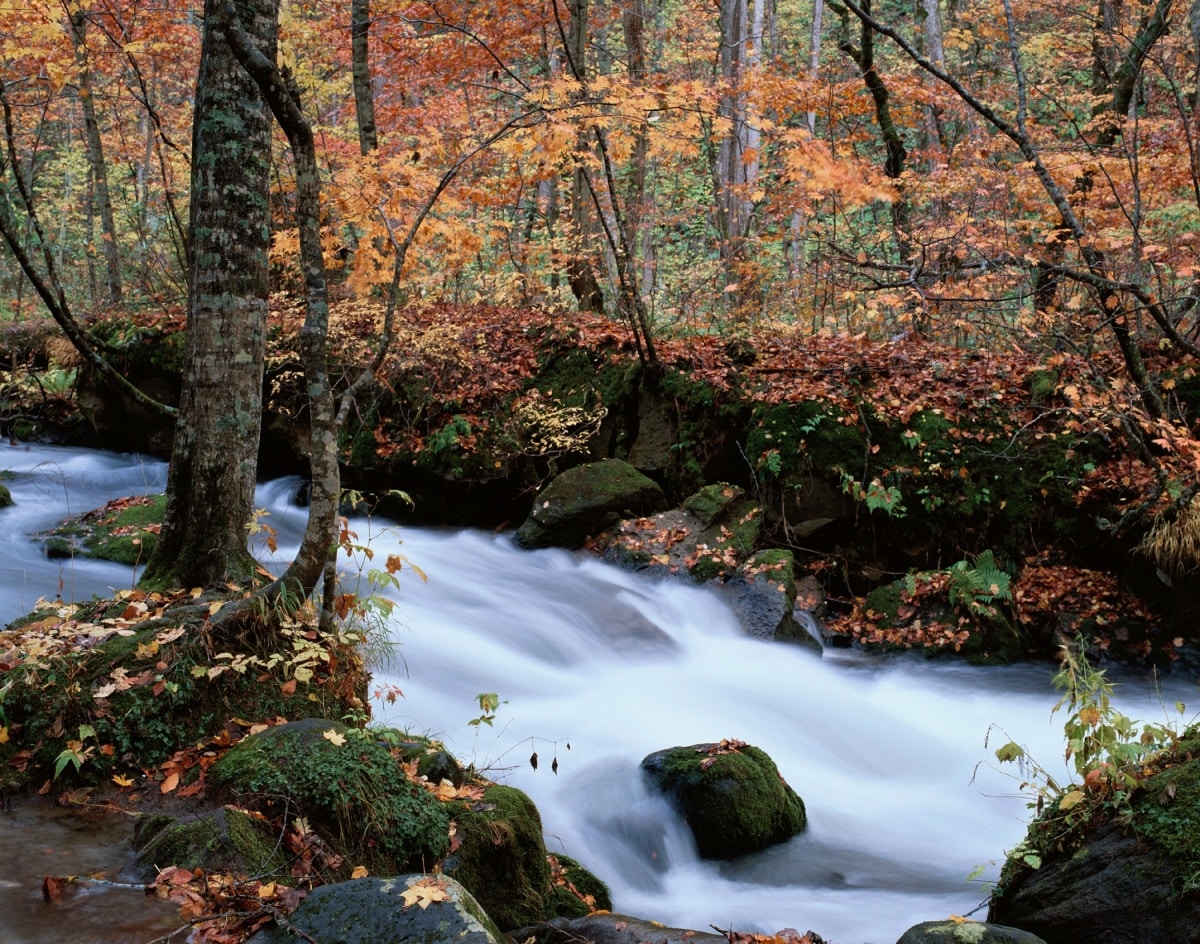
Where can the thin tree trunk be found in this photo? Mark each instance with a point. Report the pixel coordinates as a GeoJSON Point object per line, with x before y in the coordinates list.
{"type": "Point", "coordinates": [95, 152]}
{"type": "Point", "coordinates": [364, 96]}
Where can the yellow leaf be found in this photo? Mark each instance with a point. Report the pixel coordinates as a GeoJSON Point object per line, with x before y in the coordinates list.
{"type": "Point", "coordinates": [1074, 798]}
{"type": "Point", "coordinates": [360, 871]}
{"type": "Point", "coordinates": [122, 781]}
{"type": "Point", "coordinates": [266, 891]}
{"type": "Point", "coordinates": [424, 892]}
{"type": "Point", "coordinates": [334, 738]}
{"type": "Point", "coordinates": [3, 734]}
{"type": "Point", "coordinates": [215, 607]}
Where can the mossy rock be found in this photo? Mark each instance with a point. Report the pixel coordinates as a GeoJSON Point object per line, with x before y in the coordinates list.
{"type": "Point", "coordinates": [434, 762]}
{"type": "Point", "coordinates": [732, 795]}
{"type": "Point", "coordinates": [1110, 880]}
{"type": "Point", "coordinates": [586, 500]}
{"type": "Point", "coordinates": [348, 786]}
{"type": "Point", "coordinates": [224, 840]}
{"type": "Point", "coordinates": [5, 496]}
{"type": "Point", "coordinates": [375, 911]}
{"type": "Point", "coordinates": [576, 891]}
{"type": "Point", "coordinates": [502, 857]}
{"type": "Point", "coordinates": [712, 502]}
{"type": "Point", "coordinates": [727, 541]}
{"type": "Point", "coordinates": [966, 932]}
{"type": "Point", "coordinates": [124, 531]}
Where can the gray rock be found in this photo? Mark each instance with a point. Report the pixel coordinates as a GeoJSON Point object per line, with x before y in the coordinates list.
{"type": "Point", "coordinates": [966, 932]}
{"type": "Point", "coordinates": [373, 911]}
{"type": "Point", "coordinates": [587, 499]}
{"type": "Point", "coordinates": [611, 929]}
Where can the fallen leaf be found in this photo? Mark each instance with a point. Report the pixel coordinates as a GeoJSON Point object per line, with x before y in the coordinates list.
{"type": "Point", "coordinates": [334, 738]}
{"type": "Point", "coordinates": [360, 871]}
{"type": "Point", "coordinates": [170, 783]}
{"type": "Point", "coordinates": [424, 892]}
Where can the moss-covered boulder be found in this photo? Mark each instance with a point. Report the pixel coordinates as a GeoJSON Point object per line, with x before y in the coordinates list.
{"type": "Point", "coordinates": [346, 784]}
{"type": "Point", "coordinates": [1106, 880]}
{"type": "Point", "coordinates": [502, 856]}
{"type": "Point", "coordinates": [965, 932]}
{"type": "Point", "coordinates": [575, 892]}
{"type": "Point", "coordinates": [5, 496]}
{"type": "Point", "coordinates": [407, 909]}
{"type": "Point", "coordinates": [586, 500]}
{"type": "Point", "coordinates": [732, 795]}
{"type": "Point", "coordinates": [124, 530]}
{"type": "Point", "coordinates": [225, 840]}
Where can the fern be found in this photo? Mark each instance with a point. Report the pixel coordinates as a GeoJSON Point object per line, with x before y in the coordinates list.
{"type": "Point", "coordinates": [978, 585]}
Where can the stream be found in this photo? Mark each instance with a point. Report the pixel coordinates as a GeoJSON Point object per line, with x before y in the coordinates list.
{"type": "Point", "coordinates": [596, 667]}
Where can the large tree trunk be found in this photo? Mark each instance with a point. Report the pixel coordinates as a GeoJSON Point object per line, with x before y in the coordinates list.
{"type": "Point", "coordinates": [210, 486]}
{"type": "Point", "coordinates": [96, 163]}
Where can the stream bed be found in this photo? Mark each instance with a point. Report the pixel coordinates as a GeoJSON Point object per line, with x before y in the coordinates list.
{"type": "Point", "coordinates": [596, 667]}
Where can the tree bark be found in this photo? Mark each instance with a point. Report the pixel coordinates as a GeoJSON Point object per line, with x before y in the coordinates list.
{"type": "Point", "coordinates": [364, 96]}
{"type": "Point", "coordinates": [214, 459]}
{"type": "Point", "coordinates": [96, 162]}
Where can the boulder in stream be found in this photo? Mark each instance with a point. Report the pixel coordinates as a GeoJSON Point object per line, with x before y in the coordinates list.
{"type": "Point", "coordinates": [585, 500]}
{"type": "Point", "coordinates": [431, 909]}
{"type": "Point", "coordinates": [731, 794]}
{"type": "Point", "coordinates": [1110, 880]}
{"type": "Point", "coordinates": [960, 931]}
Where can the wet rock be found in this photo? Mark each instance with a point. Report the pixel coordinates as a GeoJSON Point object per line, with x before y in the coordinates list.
{"type": "Point", "coordinates": [731, 794]}
{"type": "Point", "coordinates": [611, 929]}
{"type": "Point", "coordinates": [585, 500]}
{"type": "Point", "coordinates": [374, 911]}
{"type": "Point", "coordinates": [966, 932]}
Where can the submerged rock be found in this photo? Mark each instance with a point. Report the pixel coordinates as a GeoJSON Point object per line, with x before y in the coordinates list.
{"type": "Point", "coordinates": [585, 500]}
{"type": "Point", "coordinates": [430, 909]}
{"type": "Point", "coordinates": [732, 795]}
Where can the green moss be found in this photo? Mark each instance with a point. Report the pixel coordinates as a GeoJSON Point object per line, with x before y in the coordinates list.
{"type": "Point", "coordinates": [1167, 814]}
{"type": "Point", "coordinates": [225, 840]}
{"type": "Point", "coordinates": [353, 792]}
{"type": "Point", "coordinates": [580, 893]}
{"type": "Point", "coordinates": [712, 502]}
{"type": "Point", "coordinates": [5, 496]}
{"type": "Point", "coordinates": [733, 797]}
{"type": "Point", "coordinates": [502, 859]}
{"type": "Point", "coordinates": [1043, 384]}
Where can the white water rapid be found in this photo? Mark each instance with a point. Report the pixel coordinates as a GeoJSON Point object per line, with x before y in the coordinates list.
{"type": "Point", "coordinates": [883, 751]}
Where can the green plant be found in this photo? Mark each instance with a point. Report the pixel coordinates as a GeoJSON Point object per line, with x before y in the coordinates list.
{"type": "Point", "coordinates": [875, 495]}
{"type": "Point", "coordinates": [979, 584]}
{"type": "Point", "coordinates": [1108, 752]}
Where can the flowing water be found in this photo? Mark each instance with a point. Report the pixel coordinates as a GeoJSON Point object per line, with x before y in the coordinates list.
{"type": "Point", "coordinates": [597, 667]}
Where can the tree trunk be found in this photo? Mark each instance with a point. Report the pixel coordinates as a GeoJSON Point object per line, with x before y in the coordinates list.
{"type": "Point", "coordinates": [364, 97]}
{"type": "Point", "coordinates": [210, 485]}
{"type": "Point", "coordinates": [95, 154]}
{"type": "Point", "coordinates": [581, 273]}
